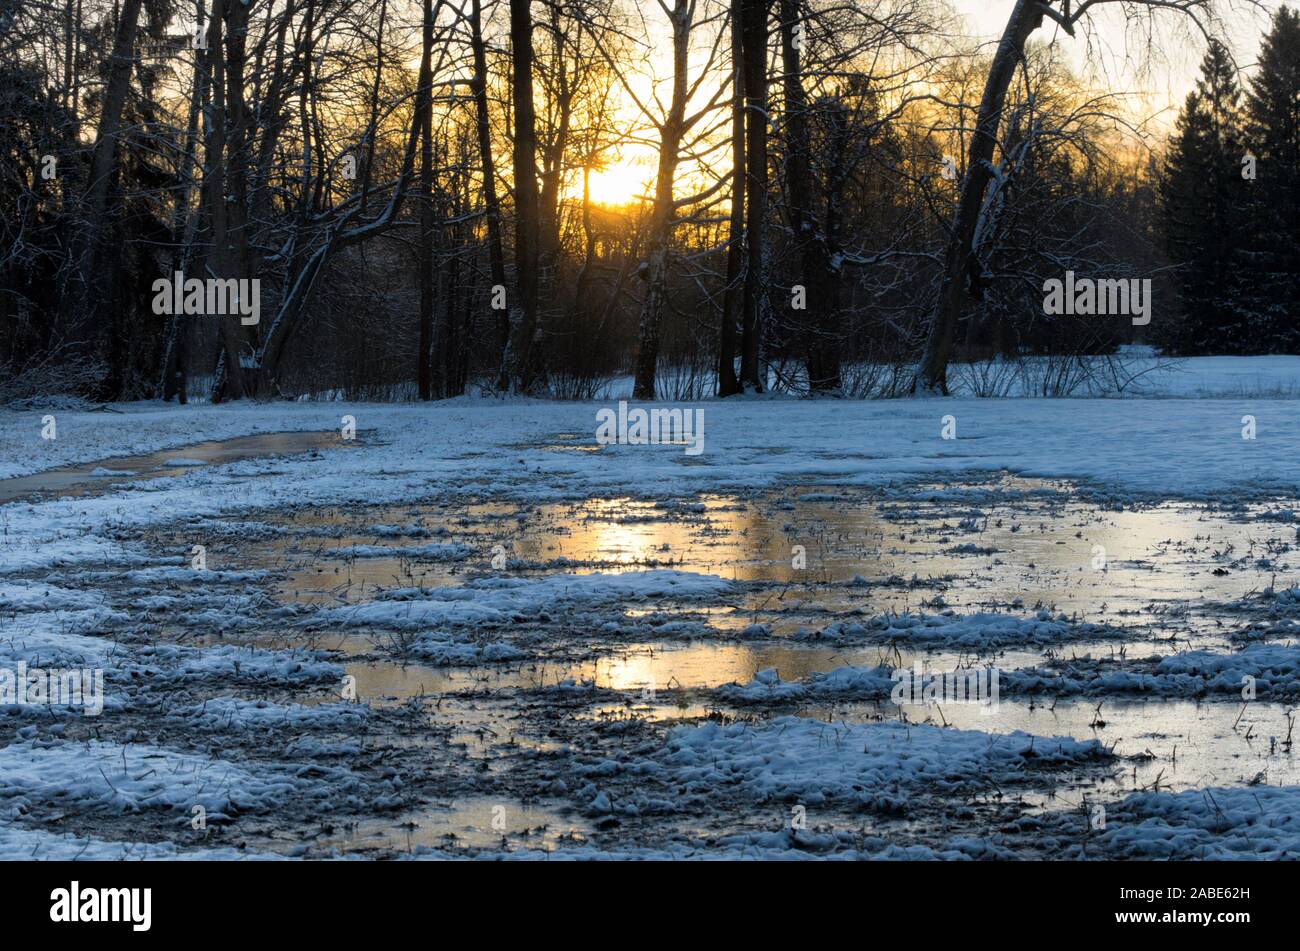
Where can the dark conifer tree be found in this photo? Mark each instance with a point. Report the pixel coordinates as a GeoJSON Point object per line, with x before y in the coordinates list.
{"type": "Point", "coordinates": [1205, 204]}
{"type": "Point", "coordinates": [1273, 134]}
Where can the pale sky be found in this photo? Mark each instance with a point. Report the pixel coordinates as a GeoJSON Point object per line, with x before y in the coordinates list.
{"type": "Point", "coordinates": [1118, 58]}
{"type": "Point", "coordinates": [1111, 56]}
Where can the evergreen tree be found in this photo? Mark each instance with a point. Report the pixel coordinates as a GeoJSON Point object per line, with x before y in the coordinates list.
{"type": "Point", "coordinates": [1273, 133]}
{"type": "Point", "coordinates": [1206, 208]}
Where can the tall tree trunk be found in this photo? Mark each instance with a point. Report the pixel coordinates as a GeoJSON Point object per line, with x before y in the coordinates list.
{"type": "Point", "coordinates": [839, 171]}
{"type": "Point", "coordinates": [273, 114]}
{"type": "Point", "coordinates": [756, 303]}
{"type": "Point", "coordinates": [959, 259]}
{"type": "Point", "coordinates": [445, 336]}
{"type": "Point", "coordinates": [231, 252]}
{"type": "Point", "coordinates": [185, 221]}
{"type": "Point", "coordinates": [372, 128]}
{"type": "Point", "coordinates": [527, 349]}
{"type": "Point", "coordinates": [72, 130]}
{"type": "Point", "coordinates": [661, 217]}
{"type": "Point", "coordinates": [582, 283]}
{"type": "Point", "coordinates": [75, 132]}
{"type": "Point", "coordinates": [94, 279]}
{"type": "Point", "coordinates": [487, 165]}
{"type": "Point", "coordinates": [69, 43]}
{"type": "Point", "coordinates": [731, 297]}
{"type": "Point", "coordinates": [463, 324]}
{"type": "Point", "coordinates": [104, 158]}
{"type": "Point", "coordinates": [228, 379]}
{"type": "Point", "coordinates": [818, 323]}
{"type": "Point", "coordinates": [424, 108]}
{"type": "Point", "coordinates": [553, 155]}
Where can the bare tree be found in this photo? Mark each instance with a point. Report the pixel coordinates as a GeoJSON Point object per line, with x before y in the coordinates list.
{"type": "Point", "coordinates": [816, 270]}
{"type": "Point", "coordinates": [728, 384]}
{"type": "Point", "coordinates": [674, 126]}
{"type": "Point", "coordinates": [424, 116]}
{"type": "Point", "coordinates": [103, 167]}
{"type": "Point", "coordinates": [527, 349]}
{"type": "Point", "coordinates": [487, 167]}
{"type": "Point", "coordinates": [962, 268]}
{"type": "Point", "coordinates": [756, 305]}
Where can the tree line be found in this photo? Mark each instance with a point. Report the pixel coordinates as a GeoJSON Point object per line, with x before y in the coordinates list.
{"type": "Point", "coordinates": [1230, 198]}
{"type": "Point", "coordinates": [839, 199]}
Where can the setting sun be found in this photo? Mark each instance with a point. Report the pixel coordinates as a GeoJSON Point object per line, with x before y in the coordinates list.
{"type": "Point", "coordinates": [624, 182]}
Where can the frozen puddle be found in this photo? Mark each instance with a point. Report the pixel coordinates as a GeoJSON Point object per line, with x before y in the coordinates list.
{"type": "Point", "coordinates": [474, 823]}
{"type": "Point", "coordinates": [95, 478]}
{"type": "Point", "coordinates": [673, 677]}
{"type": "Point", "coordinates": [1158, 562]}
{"type": "Point", "coordinates": [1006, 546]}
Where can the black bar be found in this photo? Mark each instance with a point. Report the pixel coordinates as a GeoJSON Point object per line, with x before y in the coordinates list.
{"type": "Point", "coordinates": [365, 900]}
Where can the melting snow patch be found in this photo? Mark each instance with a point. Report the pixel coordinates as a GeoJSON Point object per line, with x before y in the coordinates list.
{"type": "Point", "coordinates": [871, 765]}
{"type": "Point", "coordinates": [501, 600]}
{"type": "Point", "coordinates": [57, 638]}
{"type": "Point", "coordinates": [1273, 671]}
{"type": "Point", "coordinates": [970, 631]}
{"type": "Point", "coordinates": [841, 683]}
{"type": "Point", "coordinates": [20, 843]}
{"type": "Point", "coordinates": [173, 575]}
{"type": "Point", "coordinates": [109, 777]}
{"type": "Point", "coordinates": [232, 713]}
{"type": "Point", "coordinates": [1255, 822]}
{"type": "Point", "coordinates": [40, 596]}
{"type": "Point", "coordinates": [447, 650]}
{"type": "Point", "coordinates": [229, 663]}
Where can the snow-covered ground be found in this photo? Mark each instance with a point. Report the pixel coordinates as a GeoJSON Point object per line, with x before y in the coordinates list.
{"type": "Point", "coordinates": [1275, 376]}
{"type": "Point", "coordinates": [1137, 447]}
{"type": "Point", "coordinates": [475, 619]}
{"type": "Point", "coordinates": [1135, 371]}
